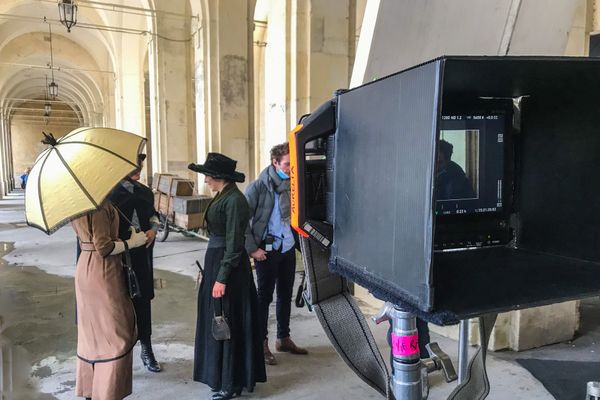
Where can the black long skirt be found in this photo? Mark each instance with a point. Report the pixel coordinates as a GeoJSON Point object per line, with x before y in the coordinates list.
{"type": "Point", "coordinates": [238, 362]}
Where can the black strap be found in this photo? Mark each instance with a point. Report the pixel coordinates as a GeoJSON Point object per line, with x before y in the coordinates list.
{"type": "Point", "coordinates": [348, 331]}
{"type": "Point", "coordinates": [476, 385]}
{"type": "Point", "coordinates": [219, 304]}
{"type": "Point", "coordinates": [127, 263]}
{"type": "Point", "coordinates": [342, 320]}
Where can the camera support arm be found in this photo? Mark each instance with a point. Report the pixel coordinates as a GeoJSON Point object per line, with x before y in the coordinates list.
{"type": "Point", "coordinates": [349, 333]}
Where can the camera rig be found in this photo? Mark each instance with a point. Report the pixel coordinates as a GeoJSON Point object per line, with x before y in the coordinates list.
{"type": "Point", "coordinates": [366, 174]}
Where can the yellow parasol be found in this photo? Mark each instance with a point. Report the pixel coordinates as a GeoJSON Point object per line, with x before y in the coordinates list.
{"type": "Point", "coordinates": [76, 173]}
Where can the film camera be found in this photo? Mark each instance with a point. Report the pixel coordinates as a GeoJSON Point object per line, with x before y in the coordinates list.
{"type": "Point", "coordinates": [459, 187]}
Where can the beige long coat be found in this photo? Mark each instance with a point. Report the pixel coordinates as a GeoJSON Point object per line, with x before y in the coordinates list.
{"type": "Point", "coordinates": [106, 330]}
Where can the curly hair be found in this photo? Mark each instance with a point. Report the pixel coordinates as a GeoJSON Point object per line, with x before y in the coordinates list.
{"type": "Point", "coordinates": [280, 150]}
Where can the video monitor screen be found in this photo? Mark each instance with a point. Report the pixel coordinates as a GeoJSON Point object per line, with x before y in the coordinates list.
{"type": "Point", "coordinates": [470, 164]}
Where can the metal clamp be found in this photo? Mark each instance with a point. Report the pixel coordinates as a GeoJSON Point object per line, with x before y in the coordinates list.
{"type": "Point", "coordinates": [440, 360]}
{"type": "Point", "coordinates": [410, 377]}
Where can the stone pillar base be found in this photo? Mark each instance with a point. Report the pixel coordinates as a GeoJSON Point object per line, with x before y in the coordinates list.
{"type": "Point", "coordinates": [516, 330]}
{"type": "Point", "coordinates": [525, 329]}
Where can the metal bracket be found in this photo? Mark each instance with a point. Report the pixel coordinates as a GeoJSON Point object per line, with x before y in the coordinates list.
{"type": "Point", "coordinates": [440, 360]}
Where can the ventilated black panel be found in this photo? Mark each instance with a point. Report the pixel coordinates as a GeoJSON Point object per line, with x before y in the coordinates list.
{"type": "Point", "coordinates": [383, 183]}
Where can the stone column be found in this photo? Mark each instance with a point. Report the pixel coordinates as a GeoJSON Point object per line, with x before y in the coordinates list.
{"type": "Point", "coordinates": [170, 71]}
{"type": "Point", "coordinates": [201, 90]}
{"type": "Point", "coordinates": [309, 47]}
{"type": "Point", "coordinates": [278, 83]}
{"type": "Point", "coordinates": [130, 86]}
{"type": "Point", "coordinates": [3, 164]}
{"type": "Point", "coordinates": [331, 44]}
{"type": "Point", "coordinates": [9, 180]}
{"type": "Point", "coordinates": [229, 90]}
{"type": "Point", "coordinates": [578, 43]}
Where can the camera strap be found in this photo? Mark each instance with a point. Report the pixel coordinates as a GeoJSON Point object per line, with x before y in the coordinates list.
{"type": "Point", "coordinates": [347, 329]}
{"type": "Point", "coordinates": [341, 318]}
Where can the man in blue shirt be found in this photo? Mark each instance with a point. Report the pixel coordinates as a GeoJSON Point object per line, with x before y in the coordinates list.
{"type": "Point", "coordinates": [271, 242]}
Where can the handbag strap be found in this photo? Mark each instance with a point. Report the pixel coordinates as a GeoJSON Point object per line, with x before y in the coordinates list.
{"type": "Point", "coordinates": [219, 303]}
{"type": "Point", "coordinates": [127, 255]}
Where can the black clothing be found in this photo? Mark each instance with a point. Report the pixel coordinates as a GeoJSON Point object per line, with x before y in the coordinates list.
{"type": "Point", "coordinates": [279, 268]}
{"type": "Point", "coordinates": [227, 216]}
{"type": "Point", "coordinates": [143, 315]}
{"type": "Point", "coordinates": [141, 201]}
{"type": "Point", "coordinates": [228, 365]}
{"type": "Point", "coordinates": [452, 183]}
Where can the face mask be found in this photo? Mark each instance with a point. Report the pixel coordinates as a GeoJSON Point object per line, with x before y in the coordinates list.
{"type": "Point", "coordinates": [281, 174]}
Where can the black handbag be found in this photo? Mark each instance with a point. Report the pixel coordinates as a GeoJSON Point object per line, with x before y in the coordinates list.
{"type": "Point", "coordinates": [133, 285]}
{"type": "Point", "coordinates": [220, 327]}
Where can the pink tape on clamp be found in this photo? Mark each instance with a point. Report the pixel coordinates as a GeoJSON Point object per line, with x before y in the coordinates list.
{"type": "Point", "coordinates": [403, 346]}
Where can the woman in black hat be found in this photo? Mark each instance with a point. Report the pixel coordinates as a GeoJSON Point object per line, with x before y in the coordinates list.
{"type": "Point", "coordinates": [227, 365]}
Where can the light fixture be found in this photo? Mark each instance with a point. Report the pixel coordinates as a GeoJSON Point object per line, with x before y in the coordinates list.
{"type": "Point", "coordinates": [47, 105]}
{"type": "Point", "coordinates": [67, 10]}
{"type": "Point", "coordinates": [53, 87]}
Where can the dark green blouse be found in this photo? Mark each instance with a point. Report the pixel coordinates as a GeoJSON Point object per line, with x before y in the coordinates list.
{"type": "Point", "coordinates": [228, 215]}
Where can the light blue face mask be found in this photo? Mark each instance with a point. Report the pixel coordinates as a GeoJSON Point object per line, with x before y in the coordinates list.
{"type": "Point", "coordinates": [282, 174]}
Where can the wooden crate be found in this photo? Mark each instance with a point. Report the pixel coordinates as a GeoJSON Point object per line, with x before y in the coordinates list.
{"type": "Point", "coordinates": [190, 204]}
{"type": "Point", "coordinates": [173, 185]}
{"type": "Point", "coordinates": [163, 203]}
{"type": "Point", "coordinates": [156, 179]}
{"type": "Point", "coordinates": [176, 186]}
{"type": "Point", "coordinates": [189, 221]}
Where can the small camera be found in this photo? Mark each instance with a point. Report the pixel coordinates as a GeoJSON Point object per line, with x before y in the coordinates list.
{"type": "Point", "coordinates": [269, 243]}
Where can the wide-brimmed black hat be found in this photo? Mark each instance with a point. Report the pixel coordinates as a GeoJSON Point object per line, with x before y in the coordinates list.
{"type": "Point", "coordinates": [219, 166]}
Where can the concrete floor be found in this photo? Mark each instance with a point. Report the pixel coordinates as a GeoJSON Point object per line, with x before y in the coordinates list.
{"type": "Point", "coordinates": [38, 335]}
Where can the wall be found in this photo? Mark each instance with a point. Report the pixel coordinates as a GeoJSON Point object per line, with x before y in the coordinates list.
{"type": "Point", "coordinates": [26, 137]}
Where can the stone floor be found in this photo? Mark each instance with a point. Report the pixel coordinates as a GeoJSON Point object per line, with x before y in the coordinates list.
{"type": "Point", "coordinates": [38, 335]}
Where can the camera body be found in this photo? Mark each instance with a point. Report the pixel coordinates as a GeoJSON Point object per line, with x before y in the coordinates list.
{"type": "Point", "coordinates": [269, 239]}
{"type": "Point", "coordinates": [459, 187]}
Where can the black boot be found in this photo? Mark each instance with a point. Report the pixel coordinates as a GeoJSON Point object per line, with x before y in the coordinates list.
{"type": "Point", "coordinates": [148, 358]}
{"type": "Point", "coordinates": [226, 395]}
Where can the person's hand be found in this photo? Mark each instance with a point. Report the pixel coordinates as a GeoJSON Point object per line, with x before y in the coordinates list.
{"type": "Point", "coordinates": [259, 255]}
{"type": "Point", "coordinates": [218, 290]}
{"type": "Point", "coordinates": [150, 235]}
{"type": "Point", "coordinates": [137, 239]}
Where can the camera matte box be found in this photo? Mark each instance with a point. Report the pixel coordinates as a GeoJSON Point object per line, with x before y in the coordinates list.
{"type": "Point", "coordinates": [384, 197]}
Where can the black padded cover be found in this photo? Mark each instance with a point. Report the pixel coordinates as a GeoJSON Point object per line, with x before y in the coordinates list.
{"type": "Point", "coordinates": [384, 203]}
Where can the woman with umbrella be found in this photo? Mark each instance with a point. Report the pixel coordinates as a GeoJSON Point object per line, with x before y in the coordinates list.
{"type": "Point", "coordinates": [227, 359]}
{"type": "Point", "coordinates": [70, 182]}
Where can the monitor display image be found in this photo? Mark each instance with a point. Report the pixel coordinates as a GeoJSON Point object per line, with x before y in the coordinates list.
{"type": "Point", "coordinates": [470, 164]}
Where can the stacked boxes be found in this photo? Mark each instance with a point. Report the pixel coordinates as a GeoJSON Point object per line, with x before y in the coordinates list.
{"type": "Point", "coordinates": [174, 197]}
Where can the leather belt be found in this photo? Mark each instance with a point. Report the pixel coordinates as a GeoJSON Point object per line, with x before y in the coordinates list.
{"type": "Point", "coordinates": [87, 246]}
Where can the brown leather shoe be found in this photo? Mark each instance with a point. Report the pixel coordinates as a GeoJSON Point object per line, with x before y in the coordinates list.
{"type": "Point", "coordinates": [269, 357]}
{"type": "Point", "coordinates": [288, 346]}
